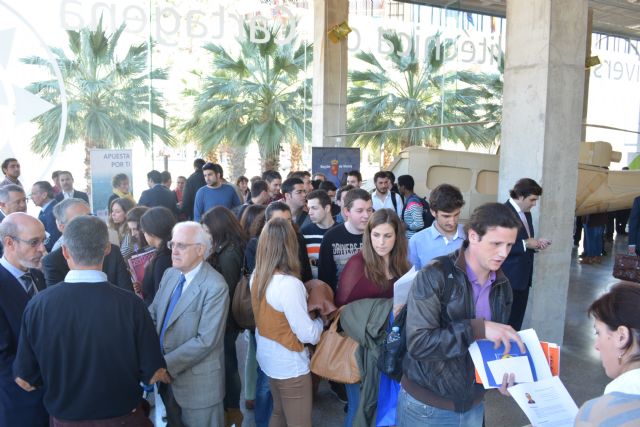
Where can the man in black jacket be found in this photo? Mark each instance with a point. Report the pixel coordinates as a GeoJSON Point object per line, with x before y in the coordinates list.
{"type": "Point", "coordinates": [194, 183]}
{"type": "Point", "coordinates": [158, 194]}
{"type": "Point", "coordinates": [438, 381]}
{"type": "Point", "coordinates": [55, 266]}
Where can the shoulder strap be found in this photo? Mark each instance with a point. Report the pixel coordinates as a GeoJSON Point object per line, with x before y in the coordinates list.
{"type": "Point", "coordinates": [449, 271]}
{"type": "Point", "coordinates": [394, 201]}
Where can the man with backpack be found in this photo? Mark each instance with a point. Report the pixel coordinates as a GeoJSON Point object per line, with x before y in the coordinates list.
{"type": "Point", "coordinates": [438, 374]}
{"type": "Point", "coordinates": [415, 214]}
{"type": "Point", "coordinates": [445, 234]}
{"type": "Point", "coordinates": [383, 196]}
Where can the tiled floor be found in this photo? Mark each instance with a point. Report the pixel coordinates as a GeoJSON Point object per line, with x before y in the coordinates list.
{"type": "Point", "coordinates": [581, 371]}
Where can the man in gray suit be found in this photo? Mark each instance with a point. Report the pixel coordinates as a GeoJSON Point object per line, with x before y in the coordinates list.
{"type": "Point", "coordinates": [190, 312]}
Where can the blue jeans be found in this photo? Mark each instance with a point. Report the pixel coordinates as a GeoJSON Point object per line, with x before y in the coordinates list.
{"type": "Point", "coordinates": [264, 401]}
{"type": "Point", "coordinates": [413, 413]}
{"type": "Point", "coordinates": [353, 397]}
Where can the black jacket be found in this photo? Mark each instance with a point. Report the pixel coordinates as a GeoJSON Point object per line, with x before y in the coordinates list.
{"type": "Point", "coordinates": [55, 268]}
{"type": "Point", "coordinates": [159, 195]}
{"type": "Point", "coordinates": [437, 356]}
{"type": "Point", "coordinates": [194, 183]}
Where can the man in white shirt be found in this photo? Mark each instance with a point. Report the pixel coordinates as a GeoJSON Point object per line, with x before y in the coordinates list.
{"type": "Point", "coordinates": [68, 192]}
{"type": "Point", "coordinates": [383, 197]}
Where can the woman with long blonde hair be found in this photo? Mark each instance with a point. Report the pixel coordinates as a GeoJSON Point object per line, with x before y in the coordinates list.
{"type": "Point", "coordinates": [283, 325]}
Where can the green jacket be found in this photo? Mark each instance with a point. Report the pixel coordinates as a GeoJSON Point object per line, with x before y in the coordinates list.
{"type": "Point", "coordinates": [365, 321]}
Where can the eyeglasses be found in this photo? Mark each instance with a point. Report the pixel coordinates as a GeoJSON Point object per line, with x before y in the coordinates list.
{"type": "Point", "coordinates": [34, 243]}
{"type": "Point", "coordinates": [180, 246]}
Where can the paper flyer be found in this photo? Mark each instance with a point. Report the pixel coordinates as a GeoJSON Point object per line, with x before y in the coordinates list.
{"type": "Point", "coordinates": [491, 363]}
{"type": "Point", "coordinates": [545, 402]}
{"type": "Point", "coordinates": [402, 286]}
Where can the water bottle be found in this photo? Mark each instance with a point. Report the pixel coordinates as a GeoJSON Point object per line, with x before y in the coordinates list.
{"type": "Point", "coordinates": [394, 335]}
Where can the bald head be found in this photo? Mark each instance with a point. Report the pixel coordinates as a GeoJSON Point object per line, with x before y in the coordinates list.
{"type": "Point", "coordinates": [23, 238]}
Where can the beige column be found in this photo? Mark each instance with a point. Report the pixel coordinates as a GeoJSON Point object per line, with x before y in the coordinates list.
{"type": "Point", "coordinates": [329, 74]}
{"type": "Point", "coordinates": [541, 132]}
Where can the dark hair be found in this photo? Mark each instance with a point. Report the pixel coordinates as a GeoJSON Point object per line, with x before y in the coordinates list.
{"type": "Point", "coordinates": [55, 174]}
{"type": "Point", "coordinates": [355, 173]}
{"type": "Point", "coordinates": [86, 238]}
{"type": "Point", "coordinates": [166, 176]}
{"type": "Point", "coordinates": [224, 228]}
{"type": "Point", "coordinates": [491, 215]}
{"type": "Point", "coordinates": [198, 163]}
{"type": "Point", "coordinates": [252, 220]}
{"type": "Point", "coordinates": [126, 205]}
{"type": "Point", "coordinates": [5, 163]}
{"type": "Point", "coordinates": [321, 195]}
{"type": "Point", "coordinates": [216, 168]}
{"type": "Point", "coordinates": [619, 307]}
{"type": "Point", "coordinates": [445, 198]}
{"type": "Point", "coordinates": [380, 174]}
{"type": "Point", "coordinates": [299, 174]}
{"type": "Point", "coordinates": [275, 206]}
{"type": "Point", "coordinates": [343, 189]}
{"type": "Point", "coordinates": [315, 183]}
{"type": "Point", "coordinates": [155, 177]}
{"type": "Point", "coordinates": [46, 187]}
{"type": "Point", "coordinates": [524, 188]}
{"type": "Point", "coordinates": [353, 195]}
{"type": "Point", "coordinates": [289, 183]}
{"type": "Point", "coordinates": [406, 181]}
{"type": "Point", "coordinates": [258, 187]}
{"type": "Point", "coordinates": [327, 186]}
{"type": "Point", "coordinates": [158, 221]}
{"type": "Point", "coordinates": [391, 176]}
{"type": "Point", "coordinates": [270, 175]}
{"type": "Point", "coordinates": [119, 179]}
{"type": "Point", "coordinates": [242, 178]}
{"type": "Point", "coordinates": [136, 213]}
{"type": "Point", "coordinates": [374, 266]}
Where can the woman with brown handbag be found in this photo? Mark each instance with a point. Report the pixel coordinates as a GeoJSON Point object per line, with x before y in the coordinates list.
{"type": "Point", "coordinates": [371, 273]}
{"type": "Point", "coordinates": [283, 325]}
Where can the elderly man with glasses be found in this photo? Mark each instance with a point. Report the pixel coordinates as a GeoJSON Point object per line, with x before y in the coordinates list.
{"type": "Point", "coordinates": [190, 313]}
{"type": "Point", "coordinates": [24, 242]}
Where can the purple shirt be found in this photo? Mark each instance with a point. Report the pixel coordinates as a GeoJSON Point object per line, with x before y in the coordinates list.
{"type": "Point", "coordinates": [481, 293]}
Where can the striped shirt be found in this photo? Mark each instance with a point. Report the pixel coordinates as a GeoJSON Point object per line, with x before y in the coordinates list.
{"type": "Point", "coordinates": [313, 237]}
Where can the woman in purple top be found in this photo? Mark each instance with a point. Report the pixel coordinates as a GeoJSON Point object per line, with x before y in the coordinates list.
{"type": "Point", "coordinates": [371, 273]}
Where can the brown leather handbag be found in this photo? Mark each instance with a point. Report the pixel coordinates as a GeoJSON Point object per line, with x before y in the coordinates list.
{"type": "Point", "coordinates": [335, 356]}
{"type": "Point", "coordinates": [241, 303]}
{"type": "Point", "coordinates": [627, 267]}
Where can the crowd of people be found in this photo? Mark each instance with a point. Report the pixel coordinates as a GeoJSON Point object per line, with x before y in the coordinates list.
{"type": "Point", "coordinates": [87, 341]}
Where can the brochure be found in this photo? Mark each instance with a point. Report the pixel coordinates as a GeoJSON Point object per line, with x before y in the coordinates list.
{"type": "Point", "coordinates": [402, 286]}
{"type": "Point", "coordinates": [137, 263]}
{"type": "Point", "coordinates": [491, 363]}
{"type": "Point", "coordinates": [545, 403]}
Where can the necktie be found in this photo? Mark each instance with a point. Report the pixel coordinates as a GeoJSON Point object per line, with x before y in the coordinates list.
{"type": "Point", "coordinates": [29, 286]}
{"type": "Point", "coordinates": [175, 296]}
{"type": "Point", "coordinates": [524, 221]}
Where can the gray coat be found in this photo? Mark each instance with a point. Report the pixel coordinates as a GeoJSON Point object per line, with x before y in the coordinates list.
{"type": "Point", "coordinates": [193, 341]}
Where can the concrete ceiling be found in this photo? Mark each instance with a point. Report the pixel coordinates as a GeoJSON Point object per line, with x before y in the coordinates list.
{"type": "Point", "coordinates": [616, 17]}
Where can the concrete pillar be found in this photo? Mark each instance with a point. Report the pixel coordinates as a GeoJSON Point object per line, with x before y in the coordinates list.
{"type": "Point", "coordinates": [541, 130]}
{"type": "Point", "coordinates": [329, 114]}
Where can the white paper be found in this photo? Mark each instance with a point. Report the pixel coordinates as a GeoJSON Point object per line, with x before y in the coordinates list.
{"type": "Point", "coordinates": [402, 286]}
{"type": "Point", "coordinates": [545, 403]}
{"type": "Point", "coordinates": [519, 366]}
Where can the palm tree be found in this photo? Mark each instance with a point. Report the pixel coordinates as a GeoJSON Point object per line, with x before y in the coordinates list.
{"type": "Point", "coordinates": [407, 92]}
{"type": "Point", "coordinates": [257, 95]}
{"type": "Point", "coordinates": [109, 100]}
